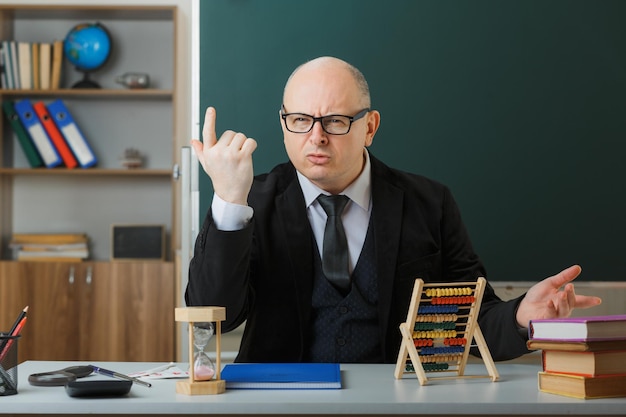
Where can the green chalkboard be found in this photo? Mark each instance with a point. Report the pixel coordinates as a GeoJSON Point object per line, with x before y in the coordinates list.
{"type": "Point", "coordinates": [518, 106]}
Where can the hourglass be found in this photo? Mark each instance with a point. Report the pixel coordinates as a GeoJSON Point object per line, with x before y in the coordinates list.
{"type": "Point", "coordinates": [204, 378]}
{"type": "Point", "coordinates": [202, 365]}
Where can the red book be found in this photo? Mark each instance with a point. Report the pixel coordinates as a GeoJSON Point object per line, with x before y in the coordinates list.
{"type": "Point", "coordinates": [55, 135]}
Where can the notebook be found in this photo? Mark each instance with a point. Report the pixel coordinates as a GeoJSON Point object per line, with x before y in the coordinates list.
{"type": "Point", "coordinates": [282, 376]}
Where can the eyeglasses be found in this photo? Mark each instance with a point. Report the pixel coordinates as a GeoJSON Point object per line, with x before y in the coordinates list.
{"type": "Point", "coordinates": [333, 124]}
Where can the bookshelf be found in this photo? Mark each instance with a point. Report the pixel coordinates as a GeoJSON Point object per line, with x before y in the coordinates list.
{"type": "Point", "coordinates": [90, 200]}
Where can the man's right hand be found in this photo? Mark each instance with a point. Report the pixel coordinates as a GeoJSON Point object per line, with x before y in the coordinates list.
{"type": "Point", "coordinates": [227, 161]}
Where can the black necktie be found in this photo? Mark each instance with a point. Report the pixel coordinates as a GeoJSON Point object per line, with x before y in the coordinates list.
{"type": "Point", "coordinates": [335, 247]}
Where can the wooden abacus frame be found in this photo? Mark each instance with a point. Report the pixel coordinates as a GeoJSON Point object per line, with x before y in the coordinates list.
{"type": "Point", "coordinates": [436, 344]}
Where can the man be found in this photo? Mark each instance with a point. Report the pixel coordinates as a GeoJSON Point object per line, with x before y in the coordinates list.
{"type": "Point", "coordinates": [261, 251]}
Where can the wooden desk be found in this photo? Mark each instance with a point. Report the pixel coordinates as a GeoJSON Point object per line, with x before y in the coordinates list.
{"type": "Point", "coordinates": [367, 389]}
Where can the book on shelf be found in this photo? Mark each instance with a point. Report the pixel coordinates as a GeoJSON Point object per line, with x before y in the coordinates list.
{"type": "Point", "coordinates": [44, 65]}
{"type": "Point", "coordinates": [8, 64]}
{"type": "Point", "coordinates": [591, 364]}
{"type": "Point", "coordinates": [55, 135]}
{"type": "Point", "coordinates": [574, 346]}
{"type": "Point", "coordinates": [25, 65]}
{"type": "Point", "coordinates": [30, 65]}
{"type": "Point", "coordinates": [3, 70]}
{"type": "Point", "coordinates": [35, 129]}
{"type": "Point", "coordinates": [579, 328]}
{"type": "Point", "coordinates": [35, 67]}
{"type": "Point", "coordinates": [48, 238]}
{"type": "Point", "coordinates": [72, 134]}
{"type": "Point", "coordinates": [49, 247]}
{"type": "Point", "coordinates": [578, 386]}
{"type": "Point", "coordinates": [47, 256]}
{"type": "Point", "coordinates": [282, 376]}
{"type": "Point", "coordinates": [15, 70]}
{"type": "Point", "coordinates": [30, 151]}
{"type": "Point", "coordinates": [57, 61]}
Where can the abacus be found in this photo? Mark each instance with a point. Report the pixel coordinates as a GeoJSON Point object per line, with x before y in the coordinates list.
{"type": "Point", "coordinates": [441, 323]}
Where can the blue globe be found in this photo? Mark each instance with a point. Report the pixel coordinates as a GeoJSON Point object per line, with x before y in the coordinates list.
{"type": "Point", "coordinates": [87, 46]}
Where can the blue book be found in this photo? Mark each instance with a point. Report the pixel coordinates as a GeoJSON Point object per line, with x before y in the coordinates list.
{"type": "Point", "coordinates": [72, 134]}
{"type": "Point", "coordinates": [35, 129]}
{"type": "Point", "coordinates": [282, 376]}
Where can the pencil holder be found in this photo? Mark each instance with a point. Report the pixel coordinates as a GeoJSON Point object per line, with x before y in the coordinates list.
{"type": "Point", "coordinates": [8, 364]}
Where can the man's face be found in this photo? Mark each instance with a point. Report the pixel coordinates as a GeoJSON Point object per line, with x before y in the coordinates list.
{"type": "Point", "coordinates": [331, 162]}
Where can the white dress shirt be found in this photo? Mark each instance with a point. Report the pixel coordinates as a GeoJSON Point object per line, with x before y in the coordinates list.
{"type": "Point", "coordinates": [356, 215]}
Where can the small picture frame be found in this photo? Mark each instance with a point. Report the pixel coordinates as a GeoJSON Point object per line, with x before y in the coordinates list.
{"type": "Point", "coordinates": [133, 242]}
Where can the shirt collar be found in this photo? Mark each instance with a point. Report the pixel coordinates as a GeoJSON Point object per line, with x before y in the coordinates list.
{"type": "Point", "coordinates": [359, 191]}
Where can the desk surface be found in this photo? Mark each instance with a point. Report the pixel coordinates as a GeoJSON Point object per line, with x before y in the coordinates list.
{"type": "Point", "coordinates": [367, 389]}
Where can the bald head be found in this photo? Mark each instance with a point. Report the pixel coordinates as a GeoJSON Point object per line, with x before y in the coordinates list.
{"type": "Point", "coordinates": [316, 91]}
{"type": "Point", "coordinates": [334, 68]}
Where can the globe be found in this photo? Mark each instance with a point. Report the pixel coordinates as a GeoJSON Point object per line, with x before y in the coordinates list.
{"type": "Point", "coordinates": [87, 46]}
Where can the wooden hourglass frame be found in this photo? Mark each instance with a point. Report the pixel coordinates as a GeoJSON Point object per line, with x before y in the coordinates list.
{"type": "Point", "coordinates": [193, 315]}
{"type": "Point", "coordinates": [441, 323]}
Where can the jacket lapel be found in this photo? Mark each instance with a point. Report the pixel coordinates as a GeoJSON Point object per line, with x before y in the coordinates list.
{"type": "Point", "coordinates": [296, 230]}
{"type": "Point", "coordinates": [387, 213]}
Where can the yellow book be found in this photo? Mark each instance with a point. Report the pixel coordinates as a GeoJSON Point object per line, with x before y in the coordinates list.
{"type": "Point", "coordinates": [579, 386]}
{"type": "Point", "coordinates": [57, 60]}
{"type": "Point", "coordinates": [25, 65]}
{"type": "Point", "coordinates": [35, 66]}
{"type": "Point", "coordinates": [48, 238]}
{"type": "Point", "coordinates": [44, 65]}
{"type": "Point", "coordinates": [608, 362]}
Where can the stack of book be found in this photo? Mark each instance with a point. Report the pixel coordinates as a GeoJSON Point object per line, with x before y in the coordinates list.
{"type": "Point", "coordinates": [70, 247]}
{"type": "Point", "coordinates": [30, 65]}
{"type": "Point", "coordinates": [48, 134]}
{"type": "Point", "coordinates": [581, 357]}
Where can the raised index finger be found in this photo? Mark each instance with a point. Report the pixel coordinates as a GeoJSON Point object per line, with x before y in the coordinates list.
{"type": "Point", "coordinates": [208, 130]}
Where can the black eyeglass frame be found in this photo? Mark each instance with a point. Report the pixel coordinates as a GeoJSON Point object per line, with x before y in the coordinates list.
{"type": "Point", "coordinates": [352, 119]}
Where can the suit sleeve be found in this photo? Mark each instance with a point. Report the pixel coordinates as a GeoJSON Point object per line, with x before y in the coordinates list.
{"type": "Point", "coordinates": [497, 317]}
{"type": "Point", "coordinates": [219, 271]}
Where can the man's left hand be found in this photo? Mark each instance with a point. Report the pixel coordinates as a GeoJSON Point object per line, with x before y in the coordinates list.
{"type": "Point", "coordinates": [553, 297]}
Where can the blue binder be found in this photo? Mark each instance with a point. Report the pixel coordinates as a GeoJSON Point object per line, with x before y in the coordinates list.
{"type": "Point", "coordinates": [73, 136]}
{"type": "Point", "coordinates": [35, 129]}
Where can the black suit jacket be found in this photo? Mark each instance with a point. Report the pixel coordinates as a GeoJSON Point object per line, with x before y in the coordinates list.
{"type": "Point", "coordinates": [264, 273]}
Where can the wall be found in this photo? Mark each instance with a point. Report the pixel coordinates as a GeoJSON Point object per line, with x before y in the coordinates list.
{"type": "Point", "coordinates": [518, 106]}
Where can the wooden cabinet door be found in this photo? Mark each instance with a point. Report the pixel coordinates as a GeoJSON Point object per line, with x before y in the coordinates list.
{"type": "Point", "coordinates": [91, 311]}
{"type": "Point", "coordinates": [127, 313]}
{"type": "Point", "coordinates": [50, 289]}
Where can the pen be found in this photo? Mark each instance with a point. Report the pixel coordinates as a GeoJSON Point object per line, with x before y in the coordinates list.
{"type": "Point", "coordinates": [114, 374]}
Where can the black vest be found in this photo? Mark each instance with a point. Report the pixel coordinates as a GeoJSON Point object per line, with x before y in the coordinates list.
{"type": "Point", "coordinates": [346, 329]}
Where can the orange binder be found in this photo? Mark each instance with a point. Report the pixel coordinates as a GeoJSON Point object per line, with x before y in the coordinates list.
{"type": "Point", "coordinates": [55, 135]}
